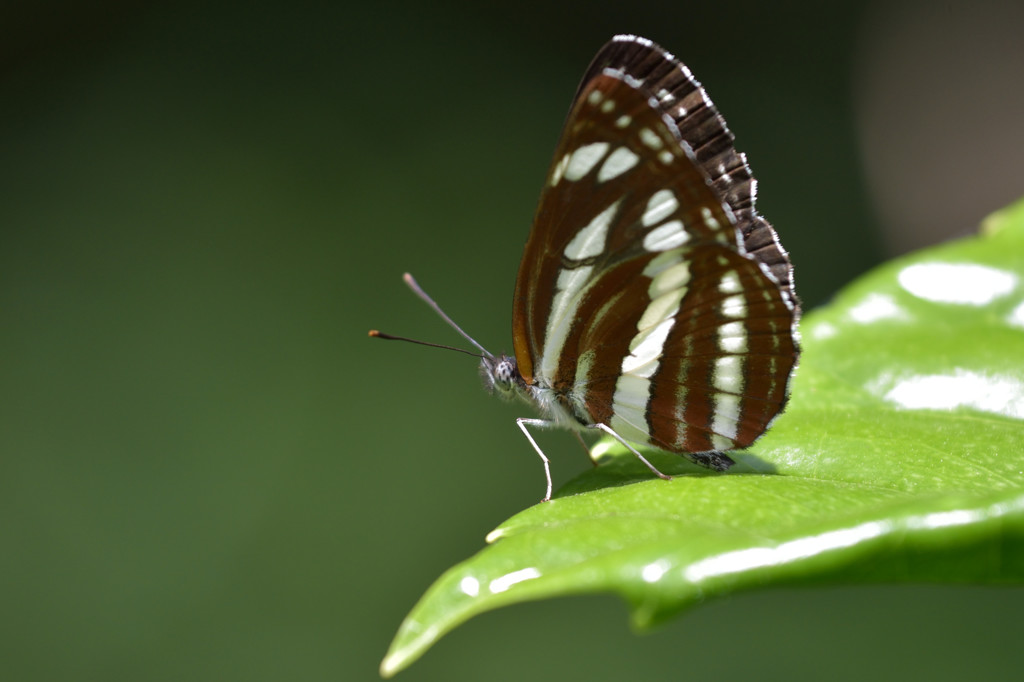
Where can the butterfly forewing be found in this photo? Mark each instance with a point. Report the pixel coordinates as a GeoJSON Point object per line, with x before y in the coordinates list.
{"type": "Point", "coordinates": [700, 125]}
{"type": "Point", "coordinates": [637, 304]}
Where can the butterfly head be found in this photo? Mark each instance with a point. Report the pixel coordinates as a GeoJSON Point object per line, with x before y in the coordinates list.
{"type": "Point", "coordinates": [501, 375]}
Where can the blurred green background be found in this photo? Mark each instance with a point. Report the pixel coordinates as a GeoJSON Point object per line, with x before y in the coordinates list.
{"type": "Point", "coordinates": [209, 472]}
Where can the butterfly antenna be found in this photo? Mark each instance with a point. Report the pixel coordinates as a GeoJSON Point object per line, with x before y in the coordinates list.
{"type": "Point", "coordinates": [390, 337]}
{"type": "Point", "coordinates": [422, 294]}
{"type": "Point", "coordinates": [411, 283]}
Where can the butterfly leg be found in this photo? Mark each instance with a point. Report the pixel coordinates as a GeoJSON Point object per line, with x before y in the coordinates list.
{"type": "Point", "coordinates": [522, 422]}
{"type": "Point", "coordinates": [611, 432]}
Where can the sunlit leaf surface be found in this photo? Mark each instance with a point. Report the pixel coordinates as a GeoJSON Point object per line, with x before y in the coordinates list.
{"type": "Point", "coordinates": [899, 458]}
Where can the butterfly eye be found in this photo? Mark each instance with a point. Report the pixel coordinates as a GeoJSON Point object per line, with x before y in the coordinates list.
{"type": "Point", "coordinates": [500, 375]}
{"type": "Point", "coordinates": [505, 371]}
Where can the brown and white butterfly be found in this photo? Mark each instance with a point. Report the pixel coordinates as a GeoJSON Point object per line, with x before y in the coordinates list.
{"type": "Point", "coordinates": [653, 303]}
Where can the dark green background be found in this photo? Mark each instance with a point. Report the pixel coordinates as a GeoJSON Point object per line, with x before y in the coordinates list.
{"type": "Point", "coordinates": [209, 472]}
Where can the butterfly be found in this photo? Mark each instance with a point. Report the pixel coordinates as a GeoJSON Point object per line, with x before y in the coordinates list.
{"type": "Point", "coordinates": [652, 303]}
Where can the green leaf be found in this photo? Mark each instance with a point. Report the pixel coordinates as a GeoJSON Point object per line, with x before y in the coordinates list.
{"type": "Point", "coordinates": [898, 459]}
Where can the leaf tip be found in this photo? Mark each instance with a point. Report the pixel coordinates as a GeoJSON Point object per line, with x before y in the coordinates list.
{"type": "Point", "coordinates": [397, 659]}
{"type": "Point", "coordinates": [409, 644]}
{"type": "Point", "coordinates": [389, 666]}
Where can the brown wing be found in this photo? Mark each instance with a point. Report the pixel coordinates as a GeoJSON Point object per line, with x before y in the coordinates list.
{"type": "Point", "coordinates": [636, 302]}
{"type": "Point", "coordinates": [701, 126]}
